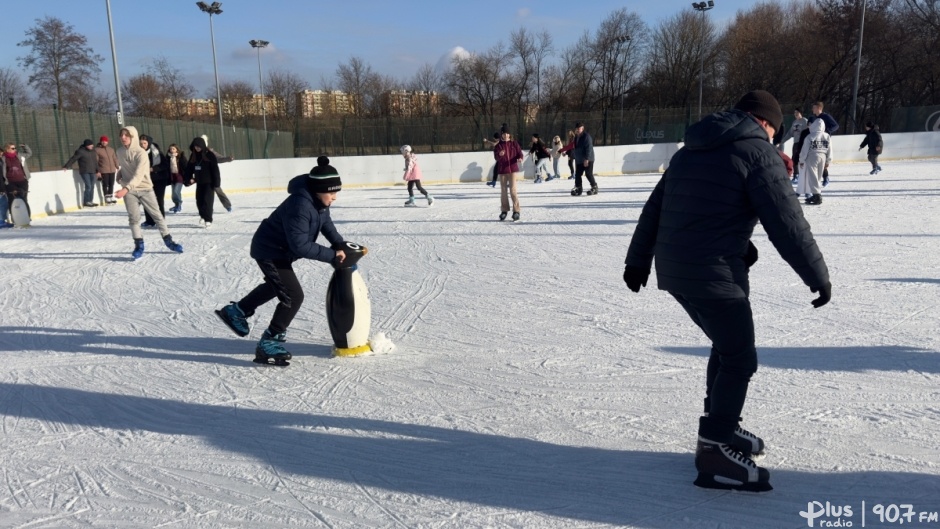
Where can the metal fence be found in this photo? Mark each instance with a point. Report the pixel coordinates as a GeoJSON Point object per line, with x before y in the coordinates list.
{"type": "Point", "coordinates": [352, 136]}
{"type": "Point", "coordinates": [53, 135]}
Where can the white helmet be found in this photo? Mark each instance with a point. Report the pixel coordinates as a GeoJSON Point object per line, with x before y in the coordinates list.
{"type": "Point", "coordinates": [405, 149]}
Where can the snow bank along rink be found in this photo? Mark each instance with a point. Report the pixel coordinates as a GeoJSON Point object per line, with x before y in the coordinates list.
{"type": "Point", "coordinates": [528, 386]}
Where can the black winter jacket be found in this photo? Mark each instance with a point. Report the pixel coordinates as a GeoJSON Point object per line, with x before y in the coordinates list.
{"type": "Point", "coordinates": [203, 166]}
{"type": "Point", "coordinates": [873, 141]}
{"type": "Point", "coordinates": [702, 213]}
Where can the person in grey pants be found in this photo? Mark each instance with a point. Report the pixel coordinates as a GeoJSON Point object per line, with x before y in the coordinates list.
{"type": "Point", "coordinates": [137, 190]}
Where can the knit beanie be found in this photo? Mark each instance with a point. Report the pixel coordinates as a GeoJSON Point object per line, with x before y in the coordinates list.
{"type": "Point", "coordinates": [762, 105]}
{"type": "Point", "coordinates": [103, 139]}
{"type": "Point", "coordinates": [87, 143]}
{"type": "Point", "coordinates": [324, 178]}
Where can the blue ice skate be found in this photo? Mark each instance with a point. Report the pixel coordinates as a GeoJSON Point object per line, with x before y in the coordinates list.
{"type": "Point", "coordinates": [138, 249]}
{"type": "Point", "coordinates": [270, 351]}
{"type": "Point", "coordinates": [172, 245]}
{"type": "Point", "coordinates": [233, 316]}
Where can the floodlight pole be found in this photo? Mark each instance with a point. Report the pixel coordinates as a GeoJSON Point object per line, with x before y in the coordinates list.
{"type": "Point", "coordinates": [215, 9]}
{"type": "Point", "coordinates": [117, 79]}
{"type": "Point", "coordinates": [258, 44]}
{"type": "Point", "coordinates": [858, 66]}
{"type": "Point", "coordinates": [702, 7]}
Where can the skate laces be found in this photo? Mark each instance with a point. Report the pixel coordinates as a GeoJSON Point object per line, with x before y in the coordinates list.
{"type": "Point", "coordinates": [738, 456]}
{"type": "Point", "coordinates": [744, 433]}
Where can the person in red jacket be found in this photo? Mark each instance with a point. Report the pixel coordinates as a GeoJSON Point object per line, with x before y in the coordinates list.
{"type": "Point", "coordinates": [508, 154]}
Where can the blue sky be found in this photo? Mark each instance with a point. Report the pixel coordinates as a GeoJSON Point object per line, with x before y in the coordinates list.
{"type": "Point", "coordinates": [312, 38]}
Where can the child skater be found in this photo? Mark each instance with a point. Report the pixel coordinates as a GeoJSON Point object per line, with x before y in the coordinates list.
{"type": "Point", "coordinates": [289, 234]}
{"type": "Point", "coordinates": [413, 176]}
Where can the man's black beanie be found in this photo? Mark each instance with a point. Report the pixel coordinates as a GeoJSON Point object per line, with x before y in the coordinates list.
{"type": "Point", "coordinates": [761, 104]}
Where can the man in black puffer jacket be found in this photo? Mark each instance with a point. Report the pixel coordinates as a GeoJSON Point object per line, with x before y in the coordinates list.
{"type": "Point", "coordinates": [697, 224]}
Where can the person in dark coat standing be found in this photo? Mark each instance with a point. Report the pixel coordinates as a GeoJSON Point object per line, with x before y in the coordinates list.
{"type": "Point", "coordinates": [583, 160]}
{"type": "Point", "coordinates": [203, 170]}
{"type": "Point", "coordinates": [159, 176]}
{"type": "Point", "coordinates": [87, 167]}
{"type": "Point", "coordinates": [700, 240]}
{"type": "Point", "coordinates": [288, 234]}
{"type": "Point", "coordinates": [874, 143]}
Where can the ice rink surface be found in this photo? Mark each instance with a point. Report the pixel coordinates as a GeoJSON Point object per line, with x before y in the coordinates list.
{"type": "Point", "coordinates": [527, 388]}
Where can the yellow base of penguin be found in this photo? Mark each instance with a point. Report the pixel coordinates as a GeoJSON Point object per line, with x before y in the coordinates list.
{"type": "Point", "coordinates": [352, 351]}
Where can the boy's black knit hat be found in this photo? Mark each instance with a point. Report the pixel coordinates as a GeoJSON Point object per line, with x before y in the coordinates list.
{"type": "Point", "coordinates": [761, 104]}
{"type": "Point", "coordinates": [324, 178]}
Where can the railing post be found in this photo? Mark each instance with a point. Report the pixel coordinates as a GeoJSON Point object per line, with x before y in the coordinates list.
{"type": "Point", "coordinates": [58, 131]}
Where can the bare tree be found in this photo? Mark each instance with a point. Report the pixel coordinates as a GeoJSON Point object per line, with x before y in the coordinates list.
{"type": "Point", "coordinates": [353, 79]}
{"type": "Point", "coordinates": [619, 46]}
{"type": "Point", "coordinates": [427, 81]}
{"type": "Point", "coordinates": [472, 84]}
{"type": "Point", "coordinates": [283, 87]}
{"type": "Point", "coordinates": [176, 89]}
{"type": "Point", "coordinates": [12, 87]}
{"type": "Point", "coordinates": [679, 45]}
{"type": "Point", "coordinates": [59, 59]}
{"type": "Point", "coordinates": [145, 96]}
{"type": "Point", "coordinates": [577, 73]}
{"type": "Point", "coordinates": [753, 56]}
{"type": "Point", "coordinates": [928, 11]}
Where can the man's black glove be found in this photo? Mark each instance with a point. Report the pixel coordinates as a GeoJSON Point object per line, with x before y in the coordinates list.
{"type": "Point", "coordinates": [750, 256]}
{"type": "Point", "coordinates": [825, 294]}
{"type": "Point", "coordinates": [635, 277]}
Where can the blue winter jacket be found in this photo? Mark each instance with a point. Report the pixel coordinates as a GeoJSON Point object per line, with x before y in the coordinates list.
{"type": "Point", "coordinates": [290, 233]}
{"type": "Point", "coordinates": [702, 213]}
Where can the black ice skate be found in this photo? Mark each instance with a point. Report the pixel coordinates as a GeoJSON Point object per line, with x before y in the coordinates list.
{"type": "Point", "coordinates": [720, 466]}
{"type": "Point", "coordinates": [576, 192]}
{"type": "Point", "coordinates": [814, 200]}
{"type": "Point", "coordinates": [592, 191]}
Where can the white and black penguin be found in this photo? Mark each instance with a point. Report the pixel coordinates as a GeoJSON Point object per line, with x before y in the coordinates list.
{"type": "Point", "coordinates": [348, 309]}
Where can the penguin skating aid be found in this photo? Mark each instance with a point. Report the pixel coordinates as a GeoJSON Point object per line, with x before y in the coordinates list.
{"type": "Point", "coordinates": [348, 309]}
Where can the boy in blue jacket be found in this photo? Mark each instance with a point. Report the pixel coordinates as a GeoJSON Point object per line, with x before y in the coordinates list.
{"type": "Point", "coordinates": [290, 233]}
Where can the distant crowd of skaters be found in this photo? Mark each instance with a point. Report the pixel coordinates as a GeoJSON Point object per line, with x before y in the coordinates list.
{"type": "Point", "coordinates": [509, 157]}
{"type": "Point", "coordinates": [99, 163]}
{"type": "Point", "coordinates": [811, 153]}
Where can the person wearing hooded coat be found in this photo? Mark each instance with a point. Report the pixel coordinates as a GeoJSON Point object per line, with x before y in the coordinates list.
{"type": "Point", "coordinates": [88, 168]}
{"type": "Point", "coordinates": [137, 190]}
{"type": "Point", "coordinates": [288, 234]}
{"type": "Point", "coordinates": [700, 241]}
{"type": "Point", "coordinates": [203, 169]}
{"type": "Point", "coordinates": [815, 155]}
{"type": "Point", "coordinates": [875, 145]}
{"type": "Point", "coordinates": [107, 168]}
{"type": "Point", "coordinates": [159, 176]}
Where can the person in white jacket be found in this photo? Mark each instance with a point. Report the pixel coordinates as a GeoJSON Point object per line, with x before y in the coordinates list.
{"type": "Point", "coordinates": [137, 190]}
{"type": "Point", "coordinates": [796, 128]}
{"type": "Point", "coordinates": [815, 156]}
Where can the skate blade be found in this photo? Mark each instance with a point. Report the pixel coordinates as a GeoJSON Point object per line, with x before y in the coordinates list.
{"type": "Point", "coordinates": [708, 481]}
{"type": "Point", "coordinates": [279, 362]}
{"type": "Point", "coordinates": [218, 312]}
